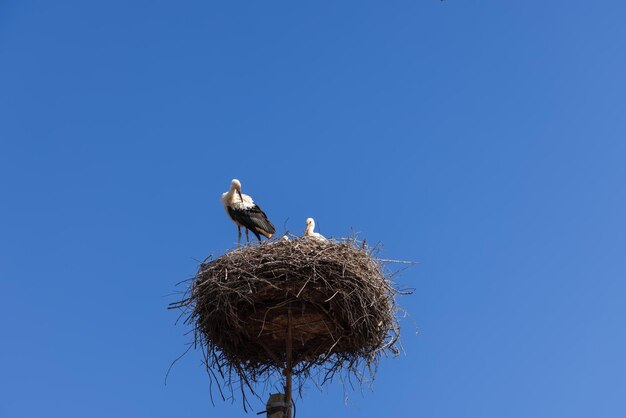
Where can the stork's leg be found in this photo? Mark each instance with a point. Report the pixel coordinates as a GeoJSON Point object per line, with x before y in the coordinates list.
{"type": "Point", "coordinates": [247, 237]}
{"type": "Point", "coordinates": [239, 235]}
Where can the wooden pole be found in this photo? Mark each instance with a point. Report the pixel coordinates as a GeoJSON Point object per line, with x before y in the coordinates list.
{"type": "Point", "coordinates": [288, 366]}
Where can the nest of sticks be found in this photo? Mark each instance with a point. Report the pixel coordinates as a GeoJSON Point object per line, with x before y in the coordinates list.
{"type": "Point", "coordinates": [313, 307]}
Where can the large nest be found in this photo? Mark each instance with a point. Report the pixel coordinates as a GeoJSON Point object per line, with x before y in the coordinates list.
{"type": "Point", "coordinates": [333, 296]}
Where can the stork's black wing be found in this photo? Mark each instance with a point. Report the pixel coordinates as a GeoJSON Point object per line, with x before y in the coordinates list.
{"type": "Point", "coordinates": [254, 219]}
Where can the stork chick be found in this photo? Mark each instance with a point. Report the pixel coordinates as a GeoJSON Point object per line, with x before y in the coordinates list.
{"type": "Point", "coordinates": [310, 233]}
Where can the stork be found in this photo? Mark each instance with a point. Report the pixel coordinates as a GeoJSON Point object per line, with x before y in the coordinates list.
{"type": "Point", "coordinates": [245, 213]}
{"type": "Point", "coordinates": [309, 231]}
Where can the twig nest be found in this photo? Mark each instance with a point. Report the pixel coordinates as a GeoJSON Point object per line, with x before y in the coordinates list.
{"type": "Point", "coordinates": [334, 293]}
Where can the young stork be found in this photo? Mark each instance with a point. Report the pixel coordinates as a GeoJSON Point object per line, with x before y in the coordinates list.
{"type": "Point", "coordinates": [309, 233]}
{"type": "Point", "coordinates": [244, 212]}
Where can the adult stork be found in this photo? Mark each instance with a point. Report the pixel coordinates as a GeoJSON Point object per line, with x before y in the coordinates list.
{"type": "Point", "coordinates": [245, 213]}
{"type": "Point", "coordinates": [310, 233]}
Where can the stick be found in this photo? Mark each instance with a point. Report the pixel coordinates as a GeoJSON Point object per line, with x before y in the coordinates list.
{"type": "Point", "coordinates": [398, 261]}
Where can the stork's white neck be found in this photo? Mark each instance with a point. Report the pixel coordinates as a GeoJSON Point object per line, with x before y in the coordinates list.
{"type": "Point", "coordinates": [227, 197]}
{"type": "Point", "coordinates": [231, 198]}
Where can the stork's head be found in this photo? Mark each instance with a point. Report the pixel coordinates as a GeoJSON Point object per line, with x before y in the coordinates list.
{"type": "Point", "coordinates": [236, 185]}
{"type": "Point", "coordinates": [310, 224]}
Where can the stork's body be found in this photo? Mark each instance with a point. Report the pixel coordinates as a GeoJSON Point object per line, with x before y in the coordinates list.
{"type": "Point", "coordinates": [309, 232]}
{"type": "Point", "coordinates": [245, 213]}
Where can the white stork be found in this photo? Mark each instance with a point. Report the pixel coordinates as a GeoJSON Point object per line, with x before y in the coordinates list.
{"type": "Point", "coordinates": [309, 231]}
{"type": "Point", "coordinates": [244, 212]}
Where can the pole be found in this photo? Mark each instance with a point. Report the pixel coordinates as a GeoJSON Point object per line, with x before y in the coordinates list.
{"type": "Point", "coordinates": [288, 366]}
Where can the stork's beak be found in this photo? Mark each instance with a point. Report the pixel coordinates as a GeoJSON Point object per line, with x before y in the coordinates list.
{"type": "Point", "coordinates": [240, 197]}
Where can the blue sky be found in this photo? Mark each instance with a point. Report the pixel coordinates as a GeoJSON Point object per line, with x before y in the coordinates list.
{"type": "Point", "coordinates": [486, 140]}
